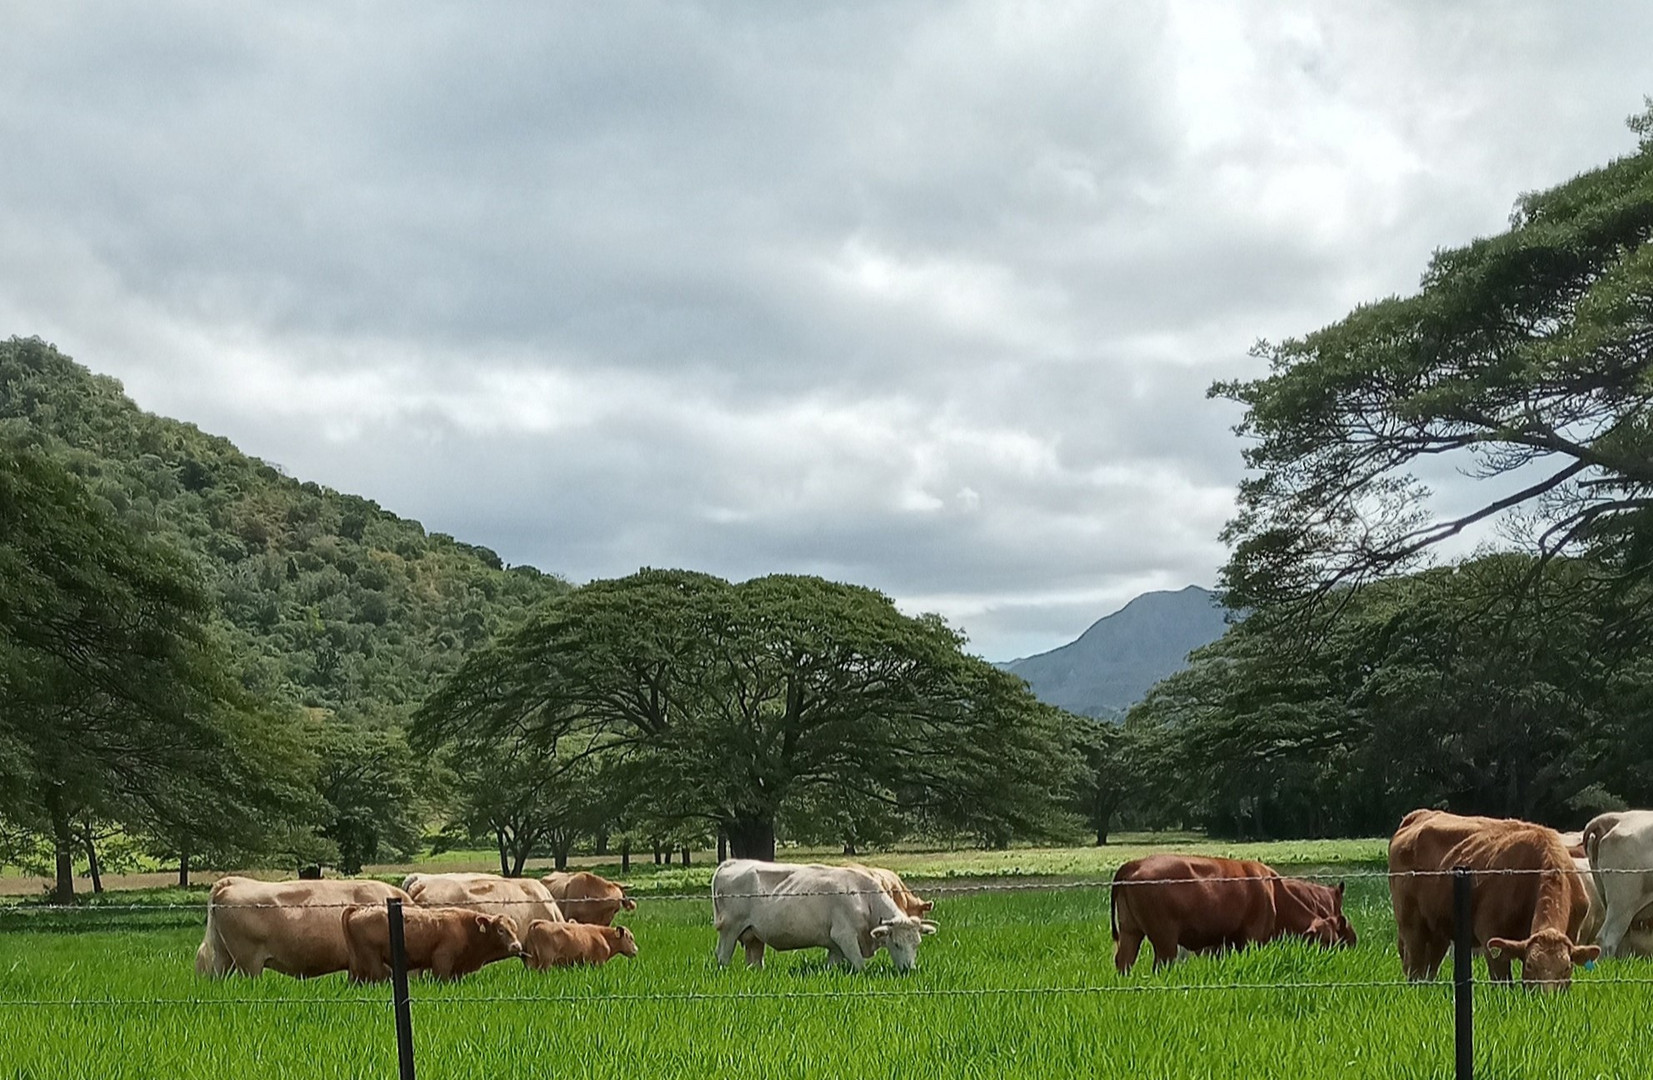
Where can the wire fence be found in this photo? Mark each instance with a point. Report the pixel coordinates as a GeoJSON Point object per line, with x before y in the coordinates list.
{"type": "Point", "coordinates": [402, 1001]}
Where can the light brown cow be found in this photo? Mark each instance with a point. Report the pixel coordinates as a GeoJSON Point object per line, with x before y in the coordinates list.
{"type": "Point", "coordinates": [586, 898]}
{"type": "Point", "coordinates": [891, 882]}
{"type": "Point", "coordinates": [447, 942]}
{"type": "Point", "coordinates": [1534, 914]}
{"type": "Point", "coordinates": [287, 926]}
{"type": "Point", "coordinates": [566, 944]}
{"type": "Point", "coordinates": [1203, 905]}
{"type": "Point", "coordinates": [522, 900]}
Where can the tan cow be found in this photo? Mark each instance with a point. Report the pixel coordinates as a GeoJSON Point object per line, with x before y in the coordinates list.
{"type": "Point", "coordinates": [566, 944]}
{"type": "Point", "coordinates": [891, 883]}
{"type": "Point", "coordinates": [1637, 942]}
{"type": "Point", "coordinates": [1528, 900]}
{"type": "Point", "coordinates": [586, 898]}
{"type": "Point", "coordinates": [287, 926]}
{"type": "Point", "coordinates": [448, 942]}
{"type": "Point", "coordinates": [522, 900]}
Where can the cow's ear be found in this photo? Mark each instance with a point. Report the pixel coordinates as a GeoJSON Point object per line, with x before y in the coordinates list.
{"type": "Point", "coordinates": [880, 931]}
{"type": "Point", "coordinates": [1497, 947]}
{"type": "Point", "coordinates": [927, 905]}
{"type": "Point", "coordinates": [1586, 954]}
{"type": "Point", "coordinates": [1340, 890]}
{"type": "Point", "coordinates": [482, 922]}
{"type": "Point", "coordinates": [927, 927]}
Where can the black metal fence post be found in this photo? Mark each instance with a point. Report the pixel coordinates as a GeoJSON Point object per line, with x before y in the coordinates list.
{"type": "Point", "coordinates": [1463, 980]}
{"type": "Point", "coordinates": [399, 990]}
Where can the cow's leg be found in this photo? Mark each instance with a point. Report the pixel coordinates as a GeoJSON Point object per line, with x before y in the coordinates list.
{"type": "Point", "coordinates": [726, 942]}
{"type": "Point", "coordinates": [1126, 950]}
{"type": "Point", "coordinates": [1624, 898]}
{"type": "Point", "coordinates": [1429, 955]}
{"type": "Point", "coordinates": [848, 944]}
{"type": "Point", "coordinates": [1165, 951]}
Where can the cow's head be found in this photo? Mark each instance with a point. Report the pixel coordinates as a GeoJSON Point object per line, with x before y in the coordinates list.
{"type": "Point", "coordinates": [1331, 932]}
{"type": "Point", "coordinates": [1547, 958]}
{"type": "Point", "coordinates": [624, 943]}
{"type": "Point", "coordinates": [901, 936]}
{"type": "Point", "coordinates": [500, 934]}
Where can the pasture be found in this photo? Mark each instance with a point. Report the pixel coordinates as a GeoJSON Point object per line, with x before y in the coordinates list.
{"type": "Point", "coordinates": [1018, 982]}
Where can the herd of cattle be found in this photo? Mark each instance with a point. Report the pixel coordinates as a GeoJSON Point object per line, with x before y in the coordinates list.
{"type": "Point", "coordinates": [1547, 900]}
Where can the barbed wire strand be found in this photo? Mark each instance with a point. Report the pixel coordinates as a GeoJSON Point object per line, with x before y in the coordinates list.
{"type": "Point", "coordinates": [922, 886]}
{"type": "Point", "coordinates": [793, 995]}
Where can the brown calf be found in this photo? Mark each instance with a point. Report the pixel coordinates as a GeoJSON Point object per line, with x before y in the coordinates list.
{"type": "Point", "coordinates": [447, 942]}
{"type": "Point", "coordinates": [1534, 914]}
{"type": "Point", "coordinates": [566, 944]}
{"type": "Point", "coordinates": [1208, 905]}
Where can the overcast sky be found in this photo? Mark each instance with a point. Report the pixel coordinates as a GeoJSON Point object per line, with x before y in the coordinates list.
{"type": "Point", "coordinates": [923, 296]}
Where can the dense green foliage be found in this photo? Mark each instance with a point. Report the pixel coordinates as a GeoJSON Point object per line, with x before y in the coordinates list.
{"type": "Point", "coordinates": [1052, 1007]}
{"type": "Point", "coordinates": [739, 705]}
{"type": "Point", "coordinates": [324, 601]}
{"type": "Point", "coordinates": [1524, 358]}
{"type": "Point", "coordinates": [116, 703]}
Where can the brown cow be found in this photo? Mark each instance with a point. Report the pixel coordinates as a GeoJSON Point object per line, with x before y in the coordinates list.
{"type": "Point", "coordinates": [286, 926]}
{"type": "Point", "coordinates": [447, 942]}
{"type": "Point", "coordinates": [586, 898]}
{"type": "Point", "coordinates": [566, 944]}
{"type": "Point", "coordinates": [1535, 914]}
{"type": "Point", "coordinates": [1210, 904]}
{"type": "Point", "coordinates": [891, 882]}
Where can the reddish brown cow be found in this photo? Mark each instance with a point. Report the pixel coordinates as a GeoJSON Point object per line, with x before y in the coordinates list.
{"type": "Point", "coordinates": [1209, 904]}
{"type": "Point", "coordinates": [1535, 914]}
{"type": "Point", "coordinates": [448, 942]}
{"type": "Point", "coordinates": [566, 944]}
{"type": "Point", "coordinates": [586, 898]}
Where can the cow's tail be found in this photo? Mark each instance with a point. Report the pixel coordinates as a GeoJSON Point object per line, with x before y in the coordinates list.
{"type": "Point", "coordinates": [356, 960]}
{"type": "Point", "coordinates": [214, 958]}
{"type": "Point", "coordinates": [1599, 826]}
{"type": "Point", "coordinates": [1116, 897]}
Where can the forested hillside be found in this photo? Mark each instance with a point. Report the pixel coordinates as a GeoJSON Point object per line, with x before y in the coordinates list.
{"type": "Point", "coordinates": [334, 602]}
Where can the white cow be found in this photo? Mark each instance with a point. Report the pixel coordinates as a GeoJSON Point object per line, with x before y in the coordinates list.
{"type": "Point", "coordinates": [1618, 844]}
{"type": "Point", "coordinates": [839, 908]}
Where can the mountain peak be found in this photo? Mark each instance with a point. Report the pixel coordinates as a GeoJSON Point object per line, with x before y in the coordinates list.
{"type": "Point", "coordinates": [1114, 663]}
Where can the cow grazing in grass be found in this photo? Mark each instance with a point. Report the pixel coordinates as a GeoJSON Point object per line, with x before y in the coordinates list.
{"type": "Point", "coordinates": [1202, 905]}
{"type": "Point", "coordinates": [842, 909]}
{"type": "Point", "coordinates": [1619, 848]}
{"type": "Point", "coordinates": [447, 942]}
{"type": "Point", "coordinates": [521, 900]}
{"type": "Point", "coordinates": [286, 926]}
{"type": "Point", "coordinates": [1528, 901]}
{"type": "Point", "coordinates": [586, 898]}
{"type": "Point", "coordinates": [567, 944]}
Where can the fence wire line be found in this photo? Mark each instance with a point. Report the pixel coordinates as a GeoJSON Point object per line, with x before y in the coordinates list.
{"type": "Point", "coordinates": [793, 995]}
{"type": "Point", "coordinates": [928, 889]}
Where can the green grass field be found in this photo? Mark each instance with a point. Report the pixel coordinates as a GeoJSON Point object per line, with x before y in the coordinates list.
{"type": "Point", "coordinates": [1017, 982]}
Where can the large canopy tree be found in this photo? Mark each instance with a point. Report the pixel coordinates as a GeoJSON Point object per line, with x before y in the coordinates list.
{"type": "Point", "coordinates": [733, 703]}
{"type": "Point", "coordinates": [1526, 358]}
{"type": "Point", "coordinates": [115, 701]}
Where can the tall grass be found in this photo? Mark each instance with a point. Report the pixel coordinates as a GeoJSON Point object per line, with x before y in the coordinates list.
{"type": "Point", "coordinates": [1057, 1009]}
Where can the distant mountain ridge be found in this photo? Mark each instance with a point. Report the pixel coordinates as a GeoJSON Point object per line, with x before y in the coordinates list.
{"type": "Point", "coordinates": [1114, 664]}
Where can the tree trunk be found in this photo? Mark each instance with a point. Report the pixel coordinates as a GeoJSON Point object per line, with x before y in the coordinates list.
{"type": "Point", "coordinates": [625, 855]}
{"type": "Point", "coordinates": [599, 843]}
{"type": "Point", "coordinates": [183, 869]}
{"type": "Point", "coordinates": [656, 852]}
{"type": "Point", "coordinates": [685, 854]}
{"type": "Point", "coordinates": [92, 859]}
{"type": "Point", "coordinates": [722, 845]}
{"type": "Point", "coordinates": [63, 847]}
{"type": "Point", "coordinates": [504, 852]}
{"type": "Point", "coordinates": [519, 859]}
{"type": "Point", "coordinates": [849, 847]}
{"type": "Point", "coordinates": [752, 838]}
